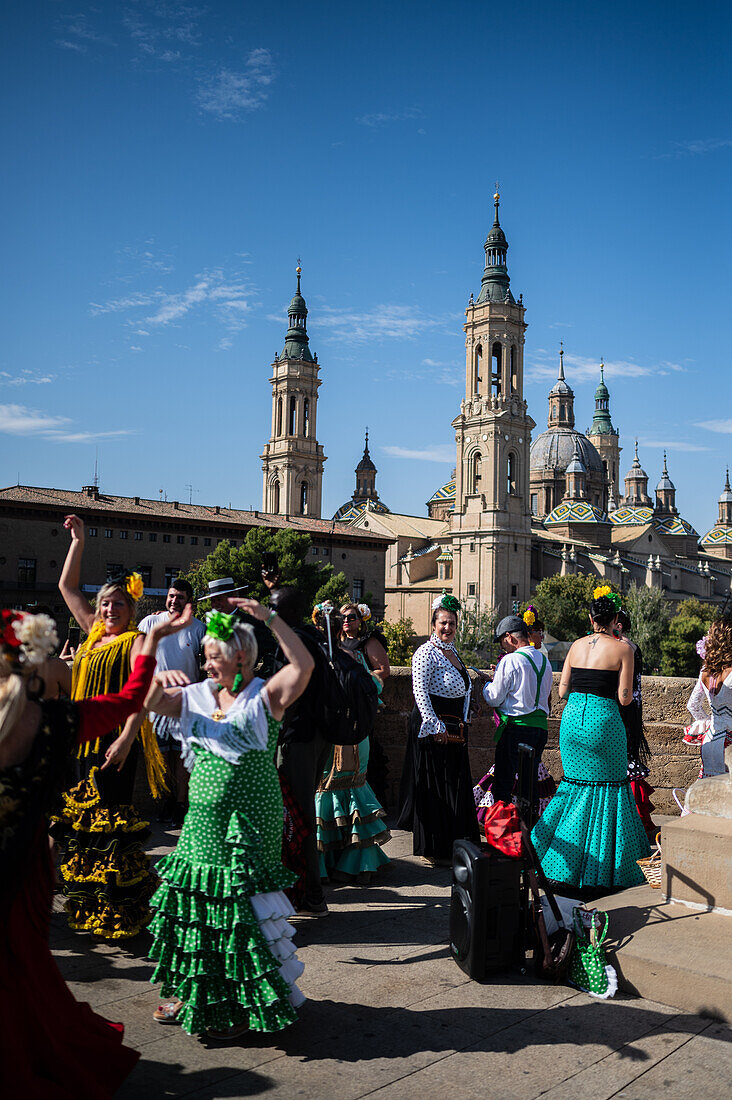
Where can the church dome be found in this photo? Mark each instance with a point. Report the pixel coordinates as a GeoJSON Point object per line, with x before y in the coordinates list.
{"type": "Point", "coordinates": [574, 511]}
{"type": "Point", "coordinates": [721, 535]}
{"type": "Point", "coordinates": [555, 449]}
{"type": "Point", "coordinates": [352, 509]}
{"type": "Point", "coordinates": [445, 492]}
{"type": "Point", "coordinates": [631, 516]}
{"type": "Point", "coordinates": [674, 525]}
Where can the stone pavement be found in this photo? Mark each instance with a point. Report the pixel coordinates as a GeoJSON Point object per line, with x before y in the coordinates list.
{"type": "Point", "coordinates": [390, 1015]}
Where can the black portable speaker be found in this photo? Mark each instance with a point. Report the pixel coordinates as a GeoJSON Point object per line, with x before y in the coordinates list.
{"type": "Point", "coordinates": [485, 908]}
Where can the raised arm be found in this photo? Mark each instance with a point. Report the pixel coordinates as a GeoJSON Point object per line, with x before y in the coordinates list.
{"type": "Point", "coordinates": [70, 581]}
{"type": "Point", "coordinates": [288, 684]}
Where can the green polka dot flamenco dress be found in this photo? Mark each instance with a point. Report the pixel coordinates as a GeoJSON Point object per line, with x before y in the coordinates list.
{"type": "Point", "coordinates": [591, 834]}
{"type": "Point", "coordinates": [222, 941]}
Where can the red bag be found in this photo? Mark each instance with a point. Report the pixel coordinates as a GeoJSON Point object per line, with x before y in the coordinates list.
{"type": "Point", "coordinates": [503, 829]}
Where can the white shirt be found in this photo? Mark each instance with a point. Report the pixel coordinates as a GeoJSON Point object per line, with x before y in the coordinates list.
{"type": "Point", "coordinates": [181, 650]}
{"type": "Point", "coordinates": [513, 690]}
{"type": "Point", "coordinates": [434, 674]}
{"type": "Point", "coordinates": [244, 729]}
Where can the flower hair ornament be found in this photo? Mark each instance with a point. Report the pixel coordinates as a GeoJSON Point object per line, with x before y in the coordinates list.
{"type": "Point", "coordinates": [529, 615]}
{"type": "Point", "coordinates": [447, 603]}
{"type": "Point", "coordinates": [26, 640]}
{"type": "Point", "coordinates": [220, 626]}
{"type": "Point", "coordinates": [701, 647]}
{"type": "Point", "coordinates": [364, 611]}
{"type": "Point", "coordinates": [130, 582]}
{"type": "Point", "coordinates": [606, 590]}
{"type": "Point", "coordinates": [325, 608]}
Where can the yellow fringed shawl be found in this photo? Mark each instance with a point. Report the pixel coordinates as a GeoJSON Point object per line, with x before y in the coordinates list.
{"type": "Point", "coordinates": [104, 670]}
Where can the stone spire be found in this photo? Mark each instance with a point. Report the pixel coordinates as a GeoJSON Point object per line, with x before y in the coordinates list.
{"type": "Point", "coordinates": [666, 492]}
{"type": "Point", "coordinates": [725, 503]}
{"type": "Point", "coordinates": [561, 399]}
{"type": "Point", "coordinates": [601, 421]}
{"type": "Point", "coordinates": [366, 476]}
{"type": "Point", "coordinates": [296, 340]}
{"type": "Point", "coordinates": [495, 284]}
{"type": "Point", "coordinates": [576, 475]}
{"type": "Point", "coordinates": [636, 484]}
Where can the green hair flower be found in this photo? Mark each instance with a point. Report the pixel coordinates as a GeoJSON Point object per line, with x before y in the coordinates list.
{"type": "Point", "coordinates": [450, 603]}
{"type": "Point", "coordinates": [615, 600]}
{"type": "Point", "coordinates": [219, 625]}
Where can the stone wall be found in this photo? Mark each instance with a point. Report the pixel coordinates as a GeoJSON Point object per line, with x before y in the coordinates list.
{"type": "Point", "coordinates": [674, 764]}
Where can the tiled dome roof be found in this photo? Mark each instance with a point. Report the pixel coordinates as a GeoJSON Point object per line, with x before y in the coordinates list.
{"type": "Point", "coordinates": [574, 511]}
{"type": "Point", "coordinates": [445, 492]}
{"type": "Point", "coordinates": [555, 449]}
{"type": "Point", "coordinates": [354, 508]}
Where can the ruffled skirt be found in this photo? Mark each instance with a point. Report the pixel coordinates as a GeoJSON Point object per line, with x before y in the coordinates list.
{"type": "Point", "coordinates": [221, 936]}
{"type": "Point", "coordinates": [590, 834]}
{"type": "Point", "coordinates": [106, 875]}
{"type": "Point", "coordinates": [350, 820]}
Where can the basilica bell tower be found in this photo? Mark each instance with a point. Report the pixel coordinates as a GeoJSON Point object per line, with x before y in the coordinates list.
{"type": "Point", "coordinates": [292, 460]}
{"type": "Point", "coordinates": [491, 524]}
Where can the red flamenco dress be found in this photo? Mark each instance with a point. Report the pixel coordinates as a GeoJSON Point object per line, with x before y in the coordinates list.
{"type": "Point", "coordinates": [51, 1045]}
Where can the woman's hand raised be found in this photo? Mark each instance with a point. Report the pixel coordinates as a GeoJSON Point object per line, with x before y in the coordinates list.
{"type": "Point", "coordinates": [75, 525]}
{"type": "Point", "coordinates": [252, 607]}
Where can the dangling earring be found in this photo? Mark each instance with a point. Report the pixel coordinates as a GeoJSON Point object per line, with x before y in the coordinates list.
{"type": "Point", "coordinates": [236, 686]}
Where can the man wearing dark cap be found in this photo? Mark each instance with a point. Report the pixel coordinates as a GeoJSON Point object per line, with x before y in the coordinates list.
{"type": "Point", "coordinates": [218, 592]}
{"type": "Point", "coordinates": [519, 693]}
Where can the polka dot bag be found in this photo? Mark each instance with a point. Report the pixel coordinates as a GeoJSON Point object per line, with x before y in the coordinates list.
{"type": "Point", "coordinates": [589, 969]}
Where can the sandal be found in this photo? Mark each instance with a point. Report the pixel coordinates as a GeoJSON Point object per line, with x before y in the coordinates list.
{"type": "Point", "coordinates": [229, 1033]}
{"type": "Point", "coordinates": [167, 1012]}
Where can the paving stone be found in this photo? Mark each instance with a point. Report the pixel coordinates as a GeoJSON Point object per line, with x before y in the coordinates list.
{"type": "Point", "coordinates": [702, 1067]}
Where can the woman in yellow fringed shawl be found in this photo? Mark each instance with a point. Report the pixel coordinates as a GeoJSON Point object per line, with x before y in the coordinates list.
{"type": "Point", "coordinates": [106, 874]}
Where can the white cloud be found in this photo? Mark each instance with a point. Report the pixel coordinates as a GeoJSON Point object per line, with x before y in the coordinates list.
{"type": "Point", "coordinates": [19, 420]}
{"type": "Point", "coordinates": [438, 453]}
{"type": "Point", "coordinates": [579, 368]}
{"type": "Point", "coordinates": [25, 378]}
{"type": "Point", "coordinates": [383, 322]}
{"type": "Point", "coordinates": [380, 118]}
{"type": "Point", "coordinates": [724, 427]}
{"type": "Point", "coordinates": [673, 445]}
{"type": "Point", "coordinates": [227, 298]}
{"type": "Point", "coordinates": [229, 95]}
{"type": "Point", "coordinates": [694, 148]}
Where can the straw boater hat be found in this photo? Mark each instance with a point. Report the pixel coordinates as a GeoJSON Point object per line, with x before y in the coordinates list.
{"type": "Point", "coordinates": [224, 586]}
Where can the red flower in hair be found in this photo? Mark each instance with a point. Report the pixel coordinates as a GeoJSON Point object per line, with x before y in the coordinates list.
{"type": "Point", "coordinates": [8, 636]}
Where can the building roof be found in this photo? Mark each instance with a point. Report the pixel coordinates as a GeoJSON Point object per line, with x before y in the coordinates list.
{"type": "Point", "coordinates": [631, 516]}
{"type": "Point", "coordinates": [420, 527]}
{"type": "Point", "coordinates": [445, 492]}
{"type": "Point", "coordinates": [352, 509]}
{"type": "Point", "coordinates": [674, 525]}
{"type": "Point", "coordinates": [574, 511]}
{"type": "Point", "coordinates": [90, 502]}
{"type": "Point", "coordinates": [554, 449]}
{"type": "Point", "coordinates": [720, 535]}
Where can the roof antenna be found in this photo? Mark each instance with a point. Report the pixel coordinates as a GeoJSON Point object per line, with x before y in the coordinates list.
{"type": "Point", "coordinates": [96, 467]}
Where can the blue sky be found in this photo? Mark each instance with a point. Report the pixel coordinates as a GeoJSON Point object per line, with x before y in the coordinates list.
{"type": "Point", "coordinates": [166, 164]}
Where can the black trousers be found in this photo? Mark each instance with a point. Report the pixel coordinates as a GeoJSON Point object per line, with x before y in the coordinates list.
{"type": "Point", "coordinates": [302, 764]}
{"type": "Point", "coordinates": [505, 767]}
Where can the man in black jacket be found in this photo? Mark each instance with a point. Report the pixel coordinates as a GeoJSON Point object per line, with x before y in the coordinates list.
{"type": "Point", "coordinates": [302, 750]}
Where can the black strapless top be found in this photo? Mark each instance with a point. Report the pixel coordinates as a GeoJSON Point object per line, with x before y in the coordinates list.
{"type": "Point", "coordinates": [595, 681]}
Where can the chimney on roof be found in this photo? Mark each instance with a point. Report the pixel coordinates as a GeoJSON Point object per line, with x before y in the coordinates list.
{"type": "Point", "coordinates": [137, 500]}
{"type": "Point", "coordinates": [175, 504]}
{"type": "Point", "coordinates": [217, 510]}
{"type": "Point", "coordinates": [92, 491]}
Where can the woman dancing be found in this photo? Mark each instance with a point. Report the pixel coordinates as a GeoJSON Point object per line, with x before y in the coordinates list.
{"type": "Point", "coordinates": [107, 877]}
{"type": "Point", "coordinates": [590, 834]}
{"type": "Point", "coordinates": [349, 816]}
{"type": "Point", "coordinates": [221, 937]}
{"type": "Point", "coordinates": [50, 1044]}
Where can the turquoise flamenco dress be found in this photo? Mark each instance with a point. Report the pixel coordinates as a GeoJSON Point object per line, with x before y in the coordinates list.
{"type": "Point", "coordinates": [591, 834]}
{"type": "Point", "coordinates": [349, 817]}
{"type": "Point", "coordinates": [222, 941]}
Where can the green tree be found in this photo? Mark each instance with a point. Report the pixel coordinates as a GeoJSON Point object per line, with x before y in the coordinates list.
{"type": "Point", "coordinates": [244, 564]}
{"type": "Point", "coordinates": [400, 637]}
{"type": "Point", "coordinates": [563, 604]}
{"type": "Point", "coordinates": [678, 647]}
{"type": "Point", "coordinates": [650, 616]}
{"type": "Point", "coordinates": [475, 636]}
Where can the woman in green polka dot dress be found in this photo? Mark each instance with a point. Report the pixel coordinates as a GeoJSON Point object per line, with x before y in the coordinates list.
{"type": "Point", "coordinates": [222, 941]}
{"type": "Point", "coordinates": [591, 834]}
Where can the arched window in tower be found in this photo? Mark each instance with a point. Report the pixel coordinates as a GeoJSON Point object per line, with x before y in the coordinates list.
{"type": "Point", "coordinates": [306, 417]}
{"type": "Point", "coordinates": [476, 463]}
{"type": "Point", "coordinates": [292, 419]}
{"type": "Point", "coordinates": [511, 474]}
{"type": "Point", "coordinates": [275, 497]}
{"type": "Point", "coordinates": [496, 356]}
{"type": "Point", "coordinates": [279, 416]}
{"type": "Point", "coordinates": [478, 359]}
{"type": "Point", "coordinates": [562, 409]}
{"type": "Point", "coordinates": [303, 498]}
{"type": "Point", "coordinates": [514, 370]}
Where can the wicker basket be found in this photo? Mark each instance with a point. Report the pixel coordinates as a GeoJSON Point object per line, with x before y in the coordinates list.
{"type": "Point", "coordinates": [651, 866]}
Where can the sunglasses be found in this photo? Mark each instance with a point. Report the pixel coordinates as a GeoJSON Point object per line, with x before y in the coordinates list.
{"type": "Point", "coordinates": [350, 618]}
